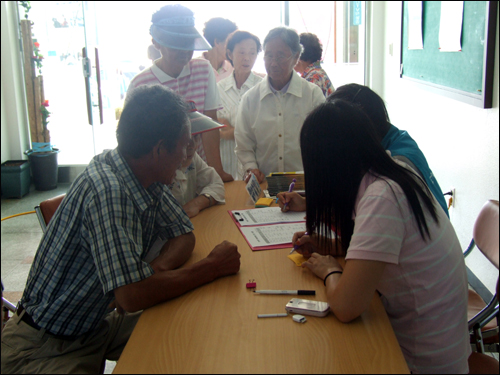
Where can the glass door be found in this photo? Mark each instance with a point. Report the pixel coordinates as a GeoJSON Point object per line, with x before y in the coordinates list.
{"type": "Point", "coordinates": [59, 28]}
{"type": "Point", "coordinates": [340, 27]}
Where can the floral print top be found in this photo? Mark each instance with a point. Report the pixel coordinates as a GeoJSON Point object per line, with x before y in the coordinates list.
{"type": "Point", "coordinates": [314, 73]}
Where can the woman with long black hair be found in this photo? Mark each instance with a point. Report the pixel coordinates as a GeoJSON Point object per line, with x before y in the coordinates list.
{"type": "Point", "coordinates": [380, 215]}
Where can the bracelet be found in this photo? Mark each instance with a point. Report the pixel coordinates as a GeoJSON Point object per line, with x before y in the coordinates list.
{"type": "Point", "coordinates": [331, 273]}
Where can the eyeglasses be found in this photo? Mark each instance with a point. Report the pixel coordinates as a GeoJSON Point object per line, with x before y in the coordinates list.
{"type": "Point", "coordinates": [279, 59]}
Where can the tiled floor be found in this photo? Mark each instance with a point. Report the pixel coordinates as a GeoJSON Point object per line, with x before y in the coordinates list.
{"type": "Point", "coordinates": [20, 238]}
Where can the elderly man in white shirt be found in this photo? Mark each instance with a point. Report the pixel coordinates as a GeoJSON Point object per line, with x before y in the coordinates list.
{"type": "Point", "coordinates": [271, 114]}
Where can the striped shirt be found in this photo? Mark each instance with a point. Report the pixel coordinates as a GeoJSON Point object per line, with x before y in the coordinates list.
{"type": "Point", "coordinates": [230, 97]}
{"type": "Point", "coordinates": [424, 285]}
{"type": "Point", "coordinates": [196, 82]}
{"type": "Point", "coordinates": [95, 243]}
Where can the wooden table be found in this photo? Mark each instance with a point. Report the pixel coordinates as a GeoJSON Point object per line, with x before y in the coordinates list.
{"type": "Point", "coordinates": [215, 329]}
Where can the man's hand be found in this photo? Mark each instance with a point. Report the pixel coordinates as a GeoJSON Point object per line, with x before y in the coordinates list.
{"type": "Point", "coordinates": [260, 176]}
{"type": "Point", "coordinates": [225, 258]}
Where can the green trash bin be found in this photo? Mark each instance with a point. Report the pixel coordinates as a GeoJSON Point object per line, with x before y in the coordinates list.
{"type": "Point", "coordinates": [15, 178]}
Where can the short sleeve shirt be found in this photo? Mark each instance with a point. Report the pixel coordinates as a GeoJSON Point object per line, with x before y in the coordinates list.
{"type": "Point", "coordinates": [424, 285]}
{"type": "Point", "coordinates": [95, 243]}
{"type": "Point", "coordinates": [196, 83]}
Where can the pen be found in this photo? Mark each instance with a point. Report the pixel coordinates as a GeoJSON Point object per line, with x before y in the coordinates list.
{"type": "Point", "coordinates": [295, 247]}
{"type": "Point", "coordinates": [272, 315]}
{"type": "Point", "coordinates": [292, 185]}
{"type": "Point", "coordinates": [297, 292]}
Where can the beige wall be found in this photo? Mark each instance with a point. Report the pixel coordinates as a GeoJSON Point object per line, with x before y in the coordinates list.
{"type": "Point", "coordinates": [460, 141]}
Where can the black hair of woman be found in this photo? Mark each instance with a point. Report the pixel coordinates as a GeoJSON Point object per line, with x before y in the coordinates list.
{"type": "Point", "coordinates": [312, 48]}
{"type": "Point", "coordinates": [369, 101]}
{"type": "Point", "coordinates": [339, 146]}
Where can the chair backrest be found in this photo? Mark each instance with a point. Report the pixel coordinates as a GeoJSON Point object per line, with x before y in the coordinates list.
{"type": "Point", "coordinates": [486, 231]}
{"type": "Point", "coordinates": [47, 209]}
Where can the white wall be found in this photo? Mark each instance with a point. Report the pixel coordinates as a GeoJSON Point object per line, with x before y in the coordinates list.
{"type": "Point", "coordinates": [460, 141]}
{"type": "Point", "coordinates": [14, 117]}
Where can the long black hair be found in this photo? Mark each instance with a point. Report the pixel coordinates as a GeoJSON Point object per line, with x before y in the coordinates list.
{"type": "Point", "coordinates": [339, 146]}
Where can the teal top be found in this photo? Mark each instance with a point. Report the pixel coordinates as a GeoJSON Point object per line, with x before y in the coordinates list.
{"type": "Point", "coordinates": [399, 143]}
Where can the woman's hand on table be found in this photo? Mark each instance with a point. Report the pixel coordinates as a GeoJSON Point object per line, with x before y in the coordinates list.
{"type": "Point", "coordinates": [309, 244]}
{"type": "Point", "coordinates": [260, 176]}
{"type": "Point", "coordinates": [294, 202]}
{"type": "Point", "coordinates": [306, 246]}
{"type": "Point", "coordinates": [226, 259]}
{"type": "Point", "coordinates": [322, 265]}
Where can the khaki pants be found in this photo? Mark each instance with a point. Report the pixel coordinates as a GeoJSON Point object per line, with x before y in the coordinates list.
{"type": "Point", "coordinates": [27, 350]}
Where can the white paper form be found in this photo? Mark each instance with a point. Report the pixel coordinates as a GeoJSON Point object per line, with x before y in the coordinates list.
{"type": "Point", "coordinates": [272, 235]}
{"type": "Point", "coordinates": [415, 40]}
{"type": "Point", "coordinates": [271, 215]}
{"type": "Point", "coordinates": [450, 26]}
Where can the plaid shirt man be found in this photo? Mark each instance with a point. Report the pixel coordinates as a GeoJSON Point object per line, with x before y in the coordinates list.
{"type": "Point", "coordinates": [95, 243]}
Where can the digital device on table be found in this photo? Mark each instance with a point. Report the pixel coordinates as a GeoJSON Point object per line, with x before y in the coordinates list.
{"type": "Point", "coordinates": [307, 307]}
{"type": "Point", "coordinates": [279, 182]}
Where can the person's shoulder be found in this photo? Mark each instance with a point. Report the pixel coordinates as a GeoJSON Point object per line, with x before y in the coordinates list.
{"type": "Point", "coordinates": [373, 185]}
{"type": "Point", "coordinates": [143, 78]}
{"type": "Point", "coordinates": [255, 91]}
{"type": "Point", "coordinates": [105, 173]}
{"type": "Point", "coordinates": [226, 83]}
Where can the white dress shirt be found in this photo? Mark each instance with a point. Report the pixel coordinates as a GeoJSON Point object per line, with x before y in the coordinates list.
{"type": "Point", "coordinates": [195, 180]}
{"type": "Point", "coordinates": [268, 124]}
{"type": "Point", "coordinates": [230, 97]}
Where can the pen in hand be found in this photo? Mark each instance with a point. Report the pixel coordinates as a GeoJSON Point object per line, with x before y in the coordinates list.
{"type": "Point", "coordinates": [292, 185]}
{"type": "Point", "coordinates": [295, 247]}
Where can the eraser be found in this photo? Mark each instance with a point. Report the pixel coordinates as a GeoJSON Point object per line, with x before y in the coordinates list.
{"type": "Point", "coordinates": [251, 285]}
{"type": "Point", "coordinates": [299, 319]}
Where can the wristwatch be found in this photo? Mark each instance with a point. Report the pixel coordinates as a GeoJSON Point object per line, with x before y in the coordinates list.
{"type": "Point", "coordinates": [208, 196]}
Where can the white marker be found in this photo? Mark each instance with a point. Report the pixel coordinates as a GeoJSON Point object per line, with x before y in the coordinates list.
{"type": "Point", "coordinates": [272, 315]}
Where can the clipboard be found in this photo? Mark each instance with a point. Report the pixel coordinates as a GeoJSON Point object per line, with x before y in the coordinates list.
{"type": "Point", "coordinates": [258, 248]}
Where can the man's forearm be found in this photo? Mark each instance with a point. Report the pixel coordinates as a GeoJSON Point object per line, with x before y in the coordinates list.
{"type": "Point", "coordinates": [163, 286]}
{"type": "Point", "coordinates": [175, 253]}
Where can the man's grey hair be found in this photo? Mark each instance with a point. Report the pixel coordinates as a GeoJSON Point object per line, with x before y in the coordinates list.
{"type": "Point", "coordinates": [288, 35]}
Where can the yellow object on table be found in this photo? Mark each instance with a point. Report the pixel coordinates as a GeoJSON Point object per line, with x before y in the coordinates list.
{"type": "Point", "coordinates": [264, 202]}
{"type": "Point", "coordinates": [297, 258]}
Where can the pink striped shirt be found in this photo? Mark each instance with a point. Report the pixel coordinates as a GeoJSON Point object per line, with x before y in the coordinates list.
{"type": "Point", "coordinates": [424, 285]}
{"type": "Point", "coordinates": [196, 82]}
